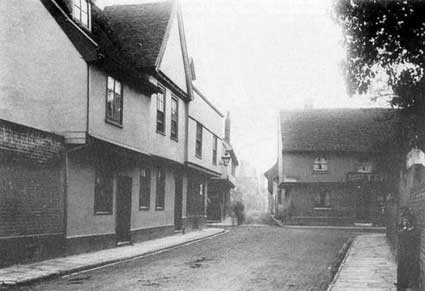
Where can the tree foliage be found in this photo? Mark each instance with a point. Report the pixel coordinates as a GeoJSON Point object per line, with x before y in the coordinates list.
{"type": "Point", "coordinates": [386, 38]}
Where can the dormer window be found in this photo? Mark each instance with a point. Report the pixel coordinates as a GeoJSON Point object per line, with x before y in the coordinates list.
{"type": "Point", "coordinates": [81, 12]}
{"type": "Point", "coordinates": [320, 165]}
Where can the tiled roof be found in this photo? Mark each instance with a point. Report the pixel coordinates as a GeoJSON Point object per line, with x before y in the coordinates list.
{"type": "Point", "coordinates": [141, 29]}
{"type": "Point", "coordinates": [107, 51]}
{"type": "Point", "coordinates": [343, 130]}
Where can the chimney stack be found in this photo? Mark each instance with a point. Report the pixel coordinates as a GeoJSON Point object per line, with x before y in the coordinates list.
{"type": "Point", "coordinates": [227, 128]}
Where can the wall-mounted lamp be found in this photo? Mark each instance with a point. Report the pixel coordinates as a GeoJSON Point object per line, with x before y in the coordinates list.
{"type": "Point", "coordinates": [225, 159]}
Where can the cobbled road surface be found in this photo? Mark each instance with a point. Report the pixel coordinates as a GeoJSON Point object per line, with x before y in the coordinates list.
{"type": "Point", "coordinates": [245, 258]}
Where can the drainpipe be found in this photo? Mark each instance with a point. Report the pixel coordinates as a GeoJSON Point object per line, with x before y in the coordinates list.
{"type": "Point", "coordinates": [67, 152]}
{"type": "Point", "coordinates": [65, 199]}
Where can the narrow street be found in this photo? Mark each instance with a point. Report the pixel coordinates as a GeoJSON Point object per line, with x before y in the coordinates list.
{"type": "Point", "coordinates": [246, 258]}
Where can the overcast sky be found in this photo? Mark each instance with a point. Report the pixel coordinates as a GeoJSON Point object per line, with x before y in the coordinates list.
{"type": "Point", "coordinates": [254, 58]}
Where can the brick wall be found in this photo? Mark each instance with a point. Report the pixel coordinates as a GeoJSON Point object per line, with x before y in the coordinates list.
{"type": "Point", "coordinates": [20, 142]}
{"type": "Point", "coordinates": [412, 196]}
{"type": "Point", "coordinates": [31, 194]}
{"type": "Point", "coordinates": [417, 205]}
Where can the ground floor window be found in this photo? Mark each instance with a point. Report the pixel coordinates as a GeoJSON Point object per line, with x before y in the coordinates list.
{"type": "Point", "coordinates": [145, 188]}
{"type": "Point", "coordinates": [103, 191]}
{"type": "Point", "coordinates": [323, 199]}
{"type": "Point", "coordinates": [160, 188]}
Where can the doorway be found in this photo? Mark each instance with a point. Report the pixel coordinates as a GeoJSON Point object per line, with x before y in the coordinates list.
{"type": "Point", "coordinates": [178, 199]}
{"type": "Point", "coordinates": [124, 184]}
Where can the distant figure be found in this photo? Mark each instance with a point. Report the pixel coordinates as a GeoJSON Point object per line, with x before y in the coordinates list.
{"type": "Point", "coordinates": [407, 268]}
{"type": "Point", "coordinates": [239, 211]}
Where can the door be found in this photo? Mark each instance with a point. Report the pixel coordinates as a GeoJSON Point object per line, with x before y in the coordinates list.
{"type": "Point", "coordinates": [178, 198]}
{"type": "Point", "coordinates": [362, 203]}
{"type": "Point", "coordinates": [214, 208]}
{"type": "Point", "coordinates": [123, 208]}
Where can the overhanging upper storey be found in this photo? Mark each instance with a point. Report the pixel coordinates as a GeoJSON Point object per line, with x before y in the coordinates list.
{"type": "Point", "coordinates": [152, 35]}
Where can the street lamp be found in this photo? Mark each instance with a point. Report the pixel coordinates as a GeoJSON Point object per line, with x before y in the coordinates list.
{"type": "Point", "coordinates": [225, 159]}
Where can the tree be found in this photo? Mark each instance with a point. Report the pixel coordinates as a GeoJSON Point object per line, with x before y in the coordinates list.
{"type": "Point", "coordinates": [385, 40]}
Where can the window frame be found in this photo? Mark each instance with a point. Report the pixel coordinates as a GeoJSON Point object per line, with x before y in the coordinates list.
{"type": "Point", "coordinates": [214, 150]}
{"type": "Point", "coordinates": [323, 164]}
{"type": "Point", "coordinates": [174, 118]}
{"type": "Point", "coordinates": [160, 188]}
{"type": "Point", "coordinates": [198, 133]}
{"type": "Point", "coordinates": [163, 94]}
{"type": "Point", "coordinates": [145, 188]}
{"type": "Point", "coordinates": [111, 119]}
{"type": "Point", "coordinates": [77, 6]}
{"type": "Point", "coordinates": [99, 195]}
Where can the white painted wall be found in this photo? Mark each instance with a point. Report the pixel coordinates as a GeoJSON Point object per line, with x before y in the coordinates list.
{"type": "Point", "coordinates": [172, 64]}
{"type": "Point", "coordinates": [43, 79]}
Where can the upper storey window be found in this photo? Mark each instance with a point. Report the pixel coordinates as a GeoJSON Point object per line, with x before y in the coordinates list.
{"type": "Point", "coordinates": [160, 111]}
{"type": "Point", "coordinates": [198, 144]}
{"type": "Point", "coordinates": [174, 118]}
{"type": "Point", "coordinates": [81, 12]}
{"type": "Point", "coordinates": [320, 165]}
{"type": "Point", "coordinates": [114, 101]}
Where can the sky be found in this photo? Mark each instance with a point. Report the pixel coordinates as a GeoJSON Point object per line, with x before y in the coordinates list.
{"type": "Point", "coordinates": [254, 58]}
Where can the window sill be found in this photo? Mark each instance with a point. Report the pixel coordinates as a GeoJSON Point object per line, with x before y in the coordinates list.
{"type": "Point", "coordinates": [117, 124]}
{"type": "Point", "coordinates": [198, 156]}
{"type": "Point", "coordinates": [322, 208]}
{"type": "Point", "coordinates": [158, 208]}
{"type": "Point", "coordinates": [160, 132]}
{"type": "Point", "coordinates": [320, 172]}
{"type": "Point", "coordinates": [143, 208]}
{"type": "Point", "coordinates": [103, 213]}
{"type": "Point", "coordinates": [82, 25]}
{"type": "Point", "coordinates": [174, 138]}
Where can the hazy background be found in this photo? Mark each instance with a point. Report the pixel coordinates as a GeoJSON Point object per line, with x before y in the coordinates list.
{"type": "Point", "coordinates": [254, 58]}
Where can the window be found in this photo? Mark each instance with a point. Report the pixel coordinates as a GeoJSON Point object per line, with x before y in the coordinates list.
{"type": "Point", "coordinates": [198, 146]}
{"type": "Point", "coordinates": [145, 189]}
{"type": "Point", "coordinates": [114, 101]}
{"type": "Point", "coordinates": [160, 188]}
{"type": "Point", "coordinates": [174, 118]}
{"type": "Point", "coordinates": [214, 151]}
{"type": "Point", "coordinates": [103, 191]}
{"type": "Point", "coordinates": [279, 197]}
{"type": "Point", "coordinates": [323, 199]}
{"type": "Point", "coordinates": [364, 166]}
{"type": "Point", "coordinates": [160, 111]}
{"type": "Point", "coordinates": [81, 12]}
{"type": "Point", "coordinates": [320, 165]}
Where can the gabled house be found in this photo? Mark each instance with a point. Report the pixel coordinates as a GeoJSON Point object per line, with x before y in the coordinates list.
{"type": "Point", "coordinates": [333, 165]}
{"type": "Point", "coordinates": [220, 188]}
{"type": "Point", "coordinates": [97, 127]}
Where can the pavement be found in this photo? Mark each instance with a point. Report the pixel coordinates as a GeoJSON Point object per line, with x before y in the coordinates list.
{"type": "Point", "coordinates": [227, 222]}
{"type": "Point", "coordinates": [358, 227]}
{"type": "Point", "coordinates": [368, 265]}
{"type": "Point", "coordinates": [20, 274]}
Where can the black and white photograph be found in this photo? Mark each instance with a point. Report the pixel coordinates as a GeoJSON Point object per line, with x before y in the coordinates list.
{"type": "Point", "coordinates": [217, 145]}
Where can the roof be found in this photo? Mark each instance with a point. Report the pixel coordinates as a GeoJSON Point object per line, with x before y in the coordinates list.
{"type": "Point", "coordinates": [342, 130]}
{"type": "Point", "coordinates": [99, 46]}
{"type": "Point", "coordinates": [141, 29]}
{"type": "Point", "coordinates": [271, 173]}
{"type": "Point", "coordinates": [200, 94]}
